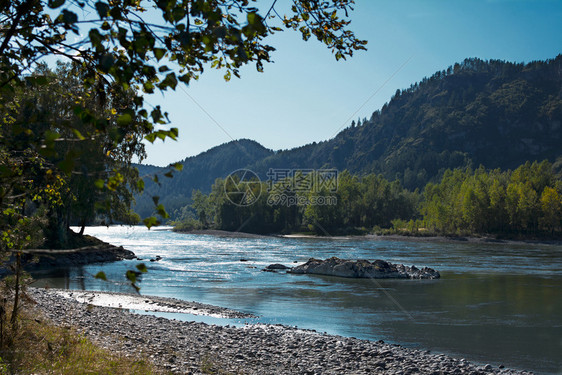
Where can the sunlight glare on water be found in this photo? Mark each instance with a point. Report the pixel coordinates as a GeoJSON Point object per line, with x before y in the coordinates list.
{"type": "Point", "coordinates": [495, 303]}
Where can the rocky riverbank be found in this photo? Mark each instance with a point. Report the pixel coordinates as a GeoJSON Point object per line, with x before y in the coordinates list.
{"type": "Point", "coordinates": [196, 348]}
{"type": "Point", "coordinates": [99, 253]}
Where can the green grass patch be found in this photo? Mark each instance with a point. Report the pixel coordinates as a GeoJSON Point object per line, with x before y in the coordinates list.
{"type": "Point", "coordinates": [37, 346]}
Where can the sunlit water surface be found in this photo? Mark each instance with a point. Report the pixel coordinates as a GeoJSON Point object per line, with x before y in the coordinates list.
{"type": "Point", "coordinates": [495, 303]}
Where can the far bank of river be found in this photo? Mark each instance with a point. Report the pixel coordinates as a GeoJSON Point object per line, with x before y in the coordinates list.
{"type": "Point", "coordinates": [381, 237]}
{"type": "Point", "coordinates": [495, 303]}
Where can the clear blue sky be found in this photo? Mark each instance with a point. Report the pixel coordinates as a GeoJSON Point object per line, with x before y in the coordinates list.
{"type": "Point", "coordinates": [306, 95]}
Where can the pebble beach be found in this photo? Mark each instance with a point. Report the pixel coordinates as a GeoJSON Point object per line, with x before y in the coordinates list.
{"type": "Point", "coordinates": [184, 347]}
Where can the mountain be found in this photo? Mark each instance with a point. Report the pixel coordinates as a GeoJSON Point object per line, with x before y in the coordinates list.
{"type": "Point", "coordinates": [199, 172]}
{"type": "Point", "coordinates": [493, 113]}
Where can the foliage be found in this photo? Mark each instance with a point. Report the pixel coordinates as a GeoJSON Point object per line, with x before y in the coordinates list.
{"type": "Point", "coordinates": [525, 201]}
{"type": "Point", "coordinates": [124, 47]}
{"type": "Point", "coordinates": [346, 206]}
{"type": "Point", "coordinates": [75, 179]}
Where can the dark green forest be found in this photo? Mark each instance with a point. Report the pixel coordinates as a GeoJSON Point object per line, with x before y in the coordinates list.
{"type": "Point", "coordinates": [493, 113]}
{"type": "Point", "coordinates": [526, 202]}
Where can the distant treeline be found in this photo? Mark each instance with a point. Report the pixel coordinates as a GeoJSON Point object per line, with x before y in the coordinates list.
{"type": "Point", "coordinates": [526, 201]}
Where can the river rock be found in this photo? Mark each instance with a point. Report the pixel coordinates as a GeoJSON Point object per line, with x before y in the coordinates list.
{"type": "Point", "coordinates": [277, 266]}
{"type": "Point", "coordinates": [377, 269]}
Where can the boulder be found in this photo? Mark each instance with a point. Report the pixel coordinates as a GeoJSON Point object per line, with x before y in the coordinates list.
{"type": "Point", "coordinates": [378, 269]}
{"type": "Point", "coordinates": [275, 267]}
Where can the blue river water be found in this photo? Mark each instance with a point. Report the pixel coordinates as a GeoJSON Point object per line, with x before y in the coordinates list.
{"type": "Point", "coordinates": [495, 303]}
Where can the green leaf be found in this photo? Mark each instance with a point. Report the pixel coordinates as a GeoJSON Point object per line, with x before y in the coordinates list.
{"type": "Point", "coordinates": [155, 199]}
{"type": "Point", "coordinates": [124, 120]}
{"type": "Point", "coordinates": [95, 38]}
{"type": "Point", "coordinates": [252, 18]}
{"type": "Point", "coordinates": [51, 136]}
{"type": "Point", "coordinates": [177, 166]}
{"type": "Point", "coordinates": [185, 78]}
{"type": "Point", "coordinates": [78, 134]}
{"type": "Point", "coordinates": [160, 210]}
{"type": "Point", "coordinates": [131, 276]}
{"type": "Point", "coordinates": [103, 9]}
{"type": "Point", "coordinates": [150, 137]}
{"type": "Point", "coordinates": [151, 221]}
{"type": "Point", "coordinates": [169, 174]}
{"type": "Point", "coordinates": [106, 62]}
{"type": "Point", "coordinates": [53, 4]}
{"type": "Point", "coordinates": [169, 81]}
{"type": "Point", "coordinates": [142, 268]}
{"type": "Point", "coordinates": [159, 53]}
{"type": "Point", "coordinates": [68, 17]}
{"type": "Point", "coordinates": [148, 87]}
{"type": "Point", "coordinates": [99, 183]}
{"type": "Point", "coordinates": [101, 275]}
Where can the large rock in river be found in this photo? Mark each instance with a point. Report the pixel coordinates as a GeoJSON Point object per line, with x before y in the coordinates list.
{"type": "Point", "coordinates": [378, 269]}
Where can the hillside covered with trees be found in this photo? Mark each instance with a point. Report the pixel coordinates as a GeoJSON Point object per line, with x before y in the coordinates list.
{"type": "Point", "coordinates": [198, 172]}
{"type": "Point", "coordinates": [492, 113]}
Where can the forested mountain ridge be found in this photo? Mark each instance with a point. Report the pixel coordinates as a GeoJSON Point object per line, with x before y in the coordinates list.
{"type": "Point", "coordinates": [492, 113]}
{"type": "Point", "coordinates": [199, 172]}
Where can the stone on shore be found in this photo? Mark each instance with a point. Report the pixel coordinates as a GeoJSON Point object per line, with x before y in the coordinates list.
{"type": "Point", "coordinates": [183, 347]}
{"type": "Point", "coordinates": [378, 269]}
{"type": "Point", "coordinates": [103, 252]}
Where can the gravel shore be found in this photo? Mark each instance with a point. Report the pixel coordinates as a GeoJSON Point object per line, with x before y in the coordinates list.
{"type": "Point", "coordinates": [198, 348]}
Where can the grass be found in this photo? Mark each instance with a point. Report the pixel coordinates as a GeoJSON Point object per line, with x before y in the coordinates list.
{"type": "Point", "coordinates": [38, 346]}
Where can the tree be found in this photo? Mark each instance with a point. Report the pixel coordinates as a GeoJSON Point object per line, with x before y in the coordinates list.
{"type": "Point", "coordinates": [128, 44]}
{"type": "Point", "coordinates": [81, 163]}
{"type": "Point", "coordinates": [123, 49]}
{"type": "Point", "coordinates": [202, 207]}
{"type": "Point", "coordinates": [551, 204]}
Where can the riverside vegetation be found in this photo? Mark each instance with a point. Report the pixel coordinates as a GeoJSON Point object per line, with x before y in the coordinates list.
{"type": "Point", "coordinates": [68, 134]}
{"type": "Point", "coordinates": [523, 203]}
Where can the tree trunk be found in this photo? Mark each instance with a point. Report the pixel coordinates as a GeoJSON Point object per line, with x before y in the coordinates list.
{"type": "Point", "coordinates": [82, 226]}
{"type": "Point", "coordinates": [16, 292]}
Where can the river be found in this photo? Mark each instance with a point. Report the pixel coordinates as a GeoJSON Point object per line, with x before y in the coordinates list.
{"type": "Point", "coordinates": [495, 303]}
